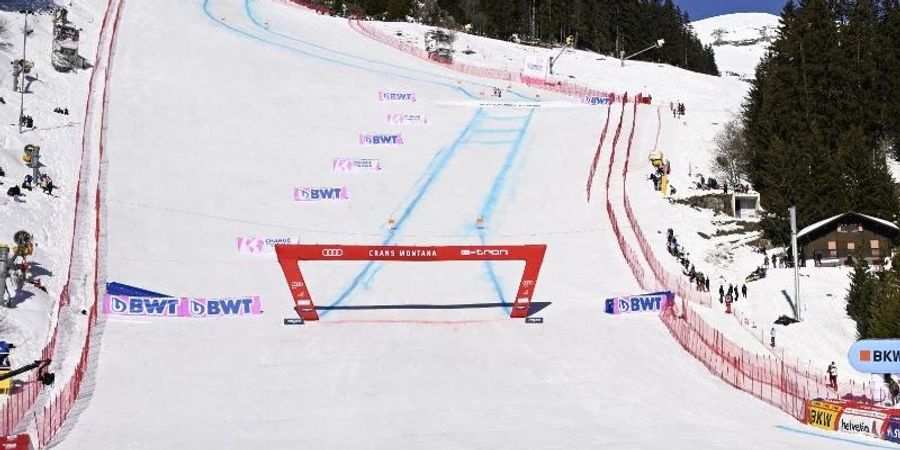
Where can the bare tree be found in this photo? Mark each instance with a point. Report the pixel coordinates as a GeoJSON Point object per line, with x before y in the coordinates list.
{"type": "Point", "coordinates": [731, 156]}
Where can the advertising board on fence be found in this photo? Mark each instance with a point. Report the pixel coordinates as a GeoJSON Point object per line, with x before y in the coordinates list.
{"type": "Point", "coordinates": [355, 165]}
{"type": "Point", "coordinates": [656, 301]}
{"type": "Point", "coordinates": [252, 245]}
{"type": "Point", "coordinates": [862, 421]}
{"type": "Point", "coordinates": [123, 305]}
{"type": "Point", "coordinates": [537, 68]}
{"type": "Point", "coordinates": [596, 99]}
{"type": "Point", "coordinates": [317, 194]}
{"type": "Point", "coordinates": [893, 430]}
{"type": "Point", "coordinates": [824, 415]}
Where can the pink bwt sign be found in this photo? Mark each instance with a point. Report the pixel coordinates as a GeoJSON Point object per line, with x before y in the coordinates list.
{"type": "Point", "coordinates": [318, 194]}
{"type": "Point", "coordinates": [388, 96]}
{"type": "Point", "coordinates": [181, 306]}
{"type": "Point", "coordinates": [380, 139]}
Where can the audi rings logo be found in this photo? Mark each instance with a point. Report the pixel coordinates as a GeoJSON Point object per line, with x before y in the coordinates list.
{"type": "Point", "coordinates": [332, 252]}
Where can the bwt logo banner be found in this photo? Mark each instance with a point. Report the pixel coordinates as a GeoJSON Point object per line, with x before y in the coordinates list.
{"type": "Point", "coordinates": [596, 100]}
{"type": "Point", "coordinates": [380, 139]}
{"type": "Point", "coordinates": [141, 306]}
{"type": "Point", "coordinates": [875, 356]}
{"type": "Point", "coordinates": [252, 245]}
{"type": "Point", "coordinates": [316, 194]}
{"type": "Point", "coordinates": [181, 307]}
{"type": "Point", "coordinates": [220, 307]}
{"type": "Point", "coordinates": [639, 303]}
{"type": "Point", "coordinates": [407, 119]}
{"type": "Point", "coordinates": [348, 165]}
{"type": "Point", "coordinates": [389, 96]}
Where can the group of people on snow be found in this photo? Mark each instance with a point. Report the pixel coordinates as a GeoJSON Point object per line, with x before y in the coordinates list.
{"type": "Point", "coordinates": [677, 109]}
{"type": "Point", "coordinates": [44, 182]}
{"type": "Point", "coordinates": [698, 279]}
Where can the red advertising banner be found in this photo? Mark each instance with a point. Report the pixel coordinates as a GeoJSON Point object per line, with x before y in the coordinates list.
{"type": "Point", "coordinates": [289, 256]}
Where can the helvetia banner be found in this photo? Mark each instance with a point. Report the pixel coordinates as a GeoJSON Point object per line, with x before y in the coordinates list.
{"type": "Point", "coordinates": [862, 421]}
{"type": "Point", "coordinates": [124, 305]}
{"type": "Point", "coordinates": [355, 165]}
{"type": "Point", "coordinates": [639, 303]}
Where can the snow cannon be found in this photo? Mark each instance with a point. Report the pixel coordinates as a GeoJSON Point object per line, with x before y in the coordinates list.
{"type": "Point", "coordinates": [392, 224]}
{"type": "Point", "coordinates": [29, 152]}
{"type": "Point", "coordinates": [479, 222]}
{"type": "Point", "coordinates": [656, 158]}
{"type": "Point", "coordinates": [24, 245]}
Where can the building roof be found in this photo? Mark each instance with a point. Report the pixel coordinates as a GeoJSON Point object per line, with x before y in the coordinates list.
{"type": "Point", "coordinates": [885, 223]}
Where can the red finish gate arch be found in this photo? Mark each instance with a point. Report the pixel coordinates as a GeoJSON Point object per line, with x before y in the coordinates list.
{"type": "Point", "coordinates": [290, 255]}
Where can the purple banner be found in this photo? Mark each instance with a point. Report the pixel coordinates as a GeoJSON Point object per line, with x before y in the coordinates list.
{"type": "Point", "coordinates": [124, 305]}
{"type": "Point", "coordinates": [639, 303]}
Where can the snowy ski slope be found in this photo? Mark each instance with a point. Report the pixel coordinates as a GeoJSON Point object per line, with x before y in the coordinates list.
{"type": "Point", "coordinates": [218, 108]}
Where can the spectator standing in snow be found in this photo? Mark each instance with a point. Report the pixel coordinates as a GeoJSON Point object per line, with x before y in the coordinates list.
{"type": "Point", "coordinates": [721, 293]}
{"type": "Point", "coordinates": [893, 388]}
{"type": "Point", "coordinates": [744, 290]}
{"type": "Point", "coordinates": [772, 335]}
{"type": "Point", "coordinates": [832, 375]}
{"type": "Point", "coordinates": [706, 282]}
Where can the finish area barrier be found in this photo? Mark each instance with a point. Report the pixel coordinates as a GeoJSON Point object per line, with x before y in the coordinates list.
{"type": "Point", "coordinates": [289, 256]}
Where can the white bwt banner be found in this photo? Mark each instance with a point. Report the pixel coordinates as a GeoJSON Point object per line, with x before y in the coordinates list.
{"type": "Point", "coordinates": [537, 67]}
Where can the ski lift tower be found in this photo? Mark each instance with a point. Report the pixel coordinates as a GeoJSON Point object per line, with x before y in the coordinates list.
{"type": "Point", "coordinates": [65, 47]}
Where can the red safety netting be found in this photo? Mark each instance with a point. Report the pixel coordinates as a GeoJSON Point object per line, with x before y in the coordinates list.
{"type": "Point", "coordinates": [767, 377]}
{"type": "Point", "coordinates": [14, 411]}
{"type": "Point", "coordinates": [50, 419]}
{"type": "Point", "coordinates": [558, 87]}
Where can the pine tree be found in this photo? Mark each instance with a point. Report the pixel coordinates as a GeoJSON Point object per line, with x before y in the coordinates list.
{"type": "Point", "coordinates": [861, 296]}
{"type": "Point", "coordinates": [884, 314]}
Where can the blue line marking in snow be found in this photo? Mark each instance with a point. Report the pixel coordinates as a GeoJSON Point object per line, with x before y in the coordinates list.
{"type": "Point", "coordinates": [249, 11]}
{"type": "Point", "coordinates": [496, 130]}
{"type": "Point", "coordinates": [500, 180]}
{"type": "Point", "coordinates": [437, 166]}
{"type": "Point", "coordinates": [493, 197]}
{"type": "Point", "coordinates": [506, 142]}
{"type": "Point", "coordinates": [434, 171]}
{"type": "Point", "coordinates": [209, 14]}
{"type": "Point", "coordinates": [835, 438]}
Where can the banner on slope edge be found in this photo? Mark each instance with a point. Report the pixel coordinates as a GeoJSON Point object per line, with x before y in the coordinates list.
{"type": "Point", "coordinates": [380, 139]}
{"type": "Point", "coordinates": [893, 430]}
{"type": "Point", "coordinates": [396, 96]}
{"type": "Point", "coordinates": [823, 414]}
{"type": "Point", "coordinates": [656, 301]}
{"type": "Point", "coordinates": [862, 421]}
{"type": "Point", "coordinates": [181, 307]}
